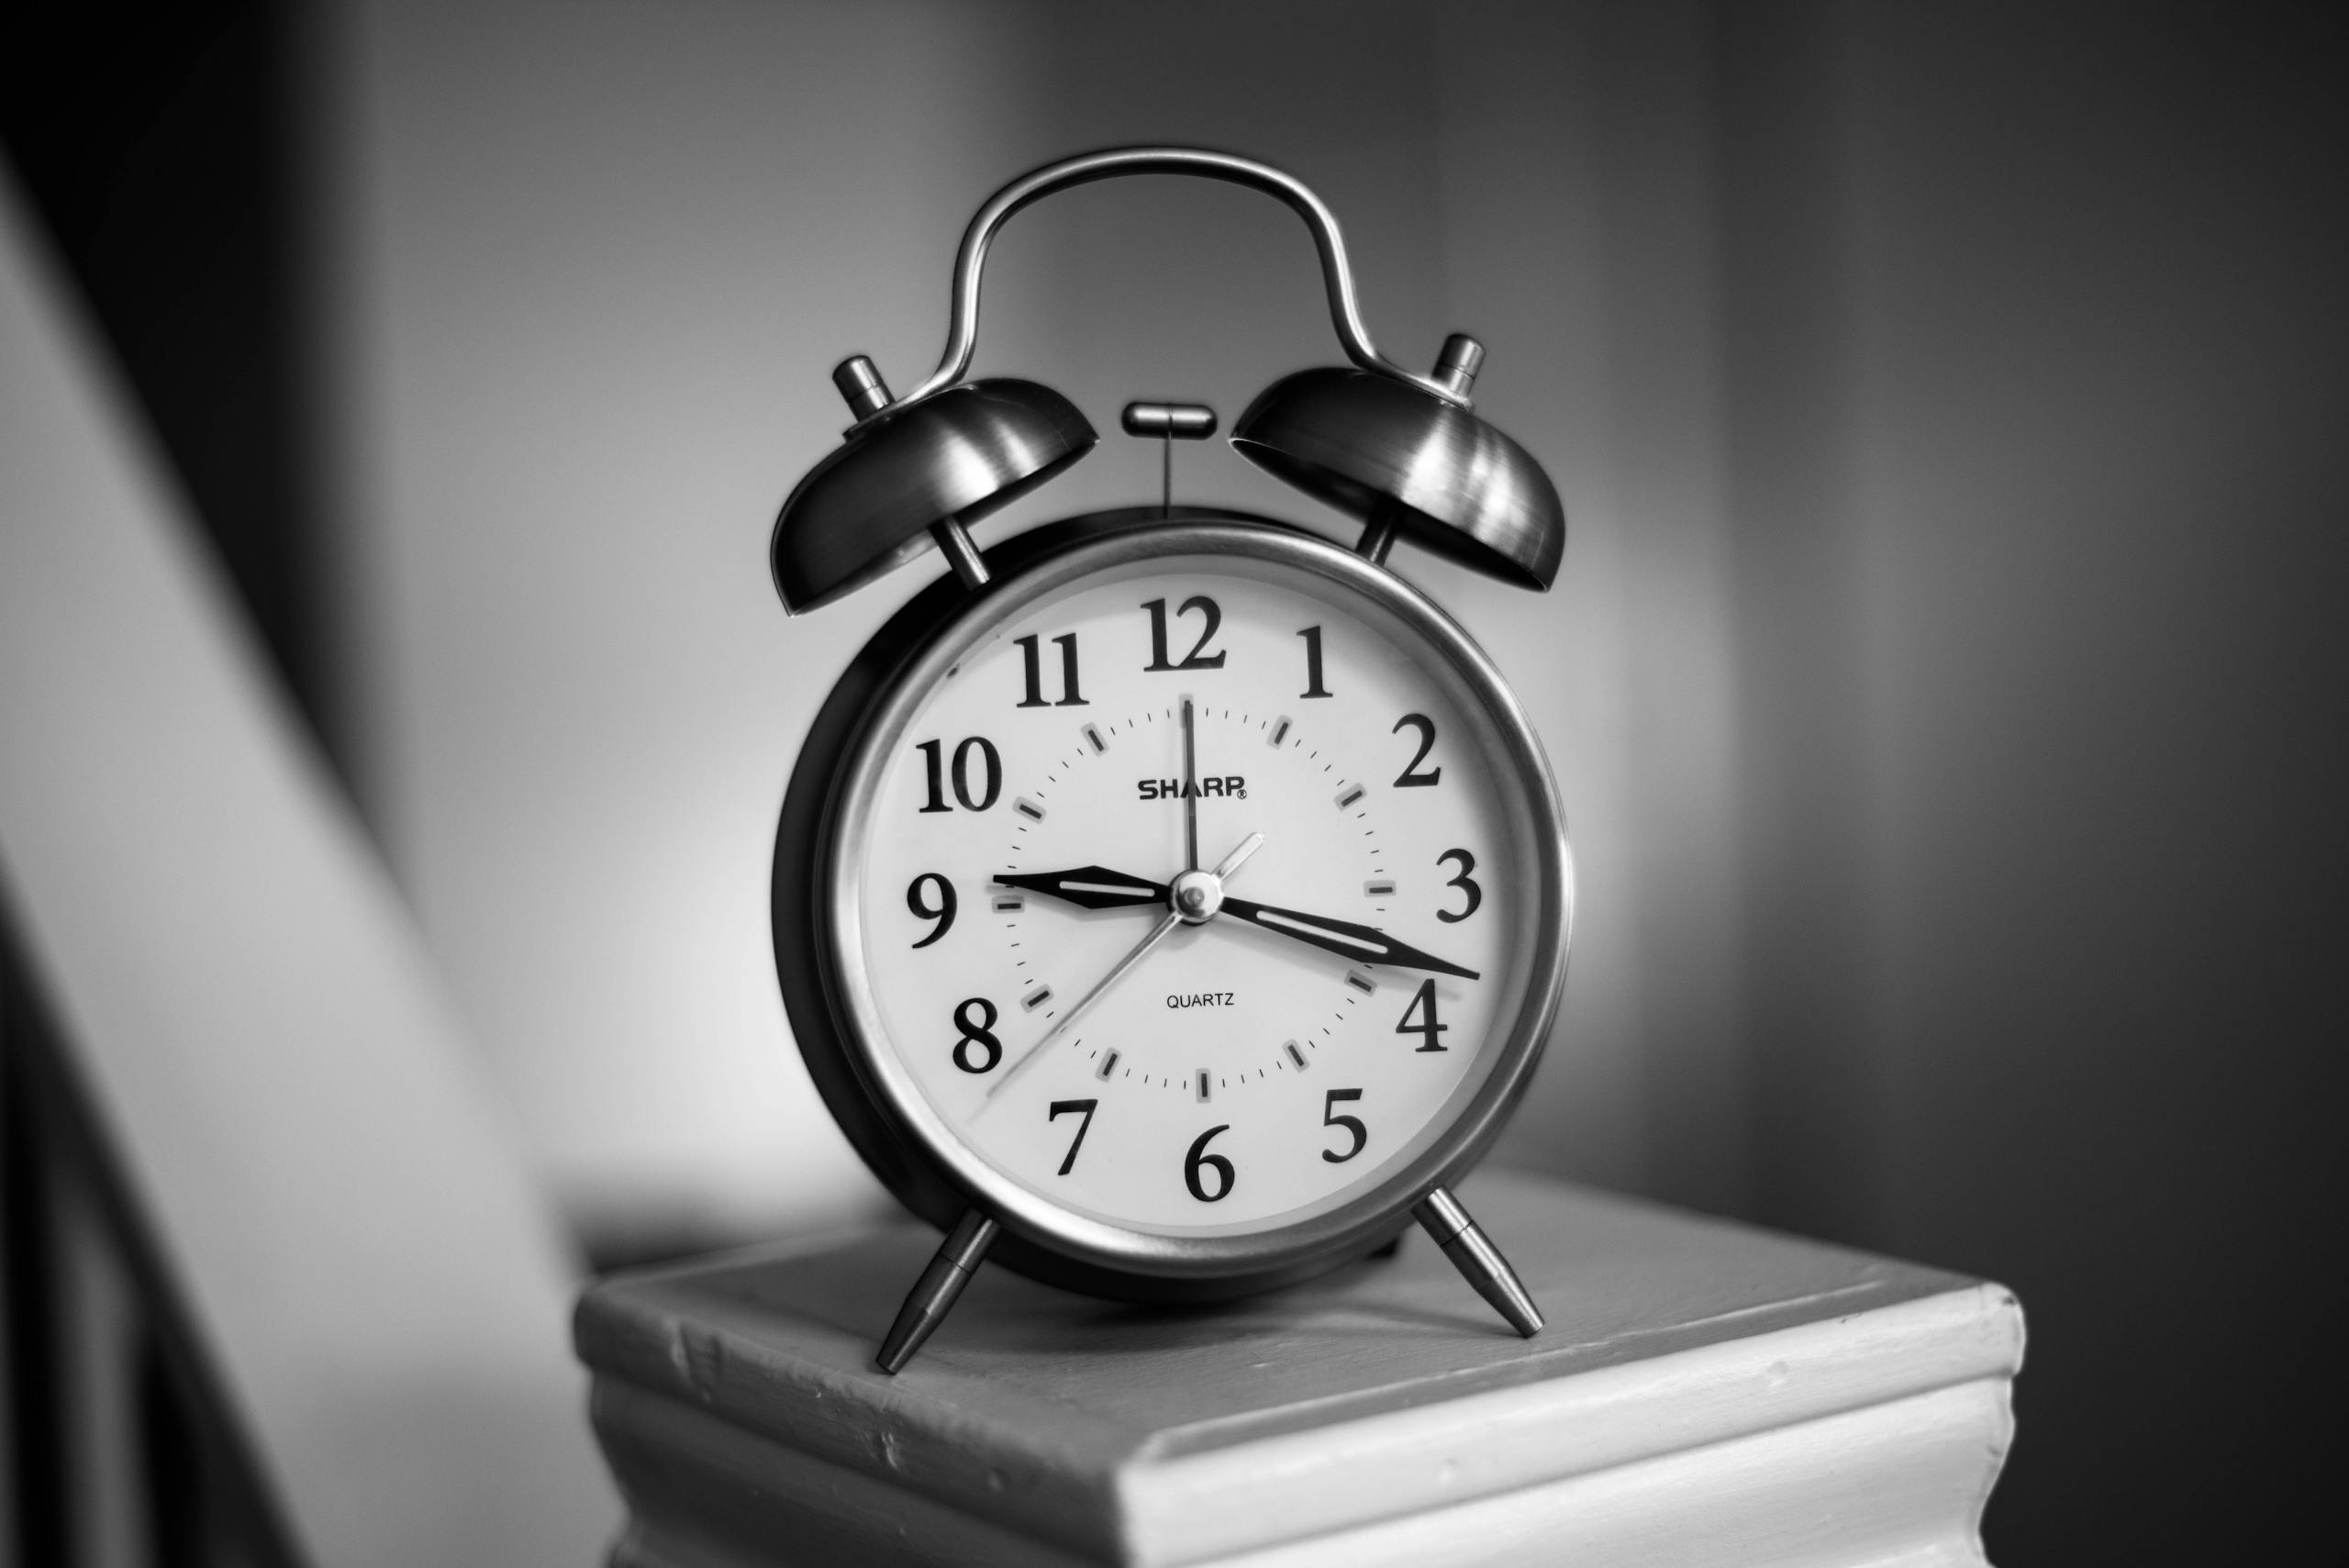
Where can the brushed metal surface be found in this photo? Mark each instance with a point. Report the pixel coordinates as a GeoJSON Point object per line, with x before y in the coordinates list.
{"type": "Point", "coordinates": [1172, 421]}
{"type": "Point", "coordinates": [1329, 243]}
{"type": "Point", "coordinates": [869, 504]}
{"type": "Point", "coordinates": [1399, 449]}
{"type": "Point", "coordinates": [1392, 455]}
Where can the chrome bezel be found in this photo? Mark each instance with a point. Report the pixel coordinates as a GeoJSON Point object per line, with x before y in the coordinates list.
{"type": "Point", "coordinates": [1529, 797]}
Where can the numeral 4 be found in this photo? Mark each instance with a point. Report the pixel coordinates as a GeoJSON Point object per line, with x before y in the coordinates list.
{"type": "Point", "coordinates": [1427, 1027]}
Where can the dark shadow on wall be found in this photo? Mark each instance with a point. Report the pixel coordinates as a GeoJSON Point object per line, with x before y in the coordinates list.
{"type": "Point", "coordinates": [157, 142]}
{"type": "Point", "coordinates": [2038, 383]}
{"type": "Point", "coordinates": [113, 1397]}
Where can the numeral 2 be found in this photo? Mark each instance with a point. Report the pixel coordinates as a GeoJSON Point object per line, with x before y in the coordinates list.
{"type": "Point", "coordinates": [1198, 658]}
{"type": "Point", "coordinates": [1033, 661]}
{"type": "Point", "coordinates": [1410, 777]}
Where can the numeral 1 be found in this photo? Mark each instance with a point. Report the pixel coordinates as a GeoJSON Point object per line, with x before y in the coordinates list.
{"type": "Point", "coordinates": [1313, 686]}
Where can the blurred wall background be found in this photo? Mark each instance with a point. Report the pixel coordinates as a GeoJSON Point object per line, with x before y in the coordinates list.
{"type": "Point", "coordinates": [591, 273]}
{"type": "Point", "coordinates": [1944, 683]}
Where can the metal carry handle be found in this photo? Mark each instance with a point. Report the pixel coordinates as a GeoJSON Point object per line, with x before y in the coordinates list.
{"type": "Point", "coordinates": [962, 330]}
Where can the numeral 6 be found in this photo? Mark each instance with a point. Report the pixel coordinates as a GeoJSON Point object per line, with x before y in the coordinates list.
{"type": "Point", "coordinates": [1199, 1158]}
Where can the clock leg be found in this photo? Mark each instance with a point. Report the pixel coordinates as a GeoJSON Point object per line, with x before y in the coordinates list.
{"type": "Point", "coordinates": [1478, 1259]}
{"type": "Point", "coordinates": [933, 1294]}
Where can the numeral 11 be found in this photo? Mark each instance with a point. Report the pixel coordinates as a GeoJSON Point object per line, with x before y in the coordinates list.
{"type": "Point", "coordinates": [1033, 661]}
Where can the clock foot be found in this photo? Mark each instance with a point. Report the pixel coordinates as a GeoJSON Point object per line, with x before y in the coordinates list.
{"type": "Point", "coordinates": [1388, 1248]}
{"type": "Point", "coordinates": [934, 1294]}
{"type": "Point", "coordinates": [1478, 1260]}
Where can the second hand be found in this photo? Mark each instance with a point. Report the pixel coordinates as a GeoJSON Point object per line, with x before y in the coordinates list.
{"type": "Point", "coordinates": [1134, 955]}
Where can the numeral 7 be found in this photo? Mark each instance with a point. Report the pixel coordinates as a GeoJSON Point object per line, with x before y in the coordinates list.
{"type": "Point", "coordinates": [1061, 1108]}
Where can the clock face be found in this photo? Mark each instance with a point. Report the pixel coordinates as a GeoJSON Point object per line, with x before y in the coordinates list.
{"type": "Point", "coordinates": [1340, 999]}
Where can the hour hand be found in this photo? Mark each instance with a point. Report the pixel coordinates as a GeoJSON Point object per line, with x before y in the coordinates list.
{"type": "Point", "coordinates": [1367, 944]}
{"type": "Point", "coordinates": [1091, 887]}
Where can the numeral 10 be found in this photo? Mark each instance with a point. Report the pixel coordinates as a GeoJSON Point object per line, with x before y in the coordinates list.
{"type": "Point", "coordinates": [990, 774]}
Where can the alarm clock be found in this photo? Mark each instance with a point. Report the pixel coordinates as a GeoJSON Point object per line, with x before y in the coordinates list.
{"type": "Point", "coordinates": [1169, 903]}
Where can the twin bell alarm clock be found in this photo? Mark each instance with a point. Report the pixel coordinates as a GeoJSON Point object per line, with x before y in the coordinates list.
{"type": "Point", "coordinates": [1169, 903]}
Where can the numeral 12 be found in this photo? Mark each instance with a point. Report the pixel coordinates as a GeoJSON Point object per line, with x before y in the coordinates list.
{"type": "Point", "coordinates": [1198, 658]}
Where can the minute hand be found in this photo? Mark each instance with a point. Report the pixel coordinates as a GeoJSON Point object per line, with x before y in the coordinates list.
{"type": "Point", "coordinates": [1364, 942]}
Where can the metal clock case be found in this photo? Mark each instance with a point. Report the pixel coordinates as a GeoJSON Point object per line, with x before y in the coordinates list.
{"type": "Point", "coordinates": [918, 1053]}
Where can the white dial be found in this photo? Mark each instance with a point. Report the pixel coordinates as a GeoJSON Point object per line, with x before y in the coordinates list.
{"type": "Point", "coordinates": [1347, 996]}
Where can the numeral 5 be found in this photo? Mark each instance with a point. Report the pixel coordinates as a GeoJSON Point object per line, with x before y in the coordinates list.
{"type": "Point", "coordinates": [1330, 1117]}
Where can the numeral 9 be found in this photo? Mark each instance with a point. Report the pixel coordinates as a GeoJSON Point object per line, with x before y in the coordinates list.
{"type": "Point", "coordinates": [942, 912]}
